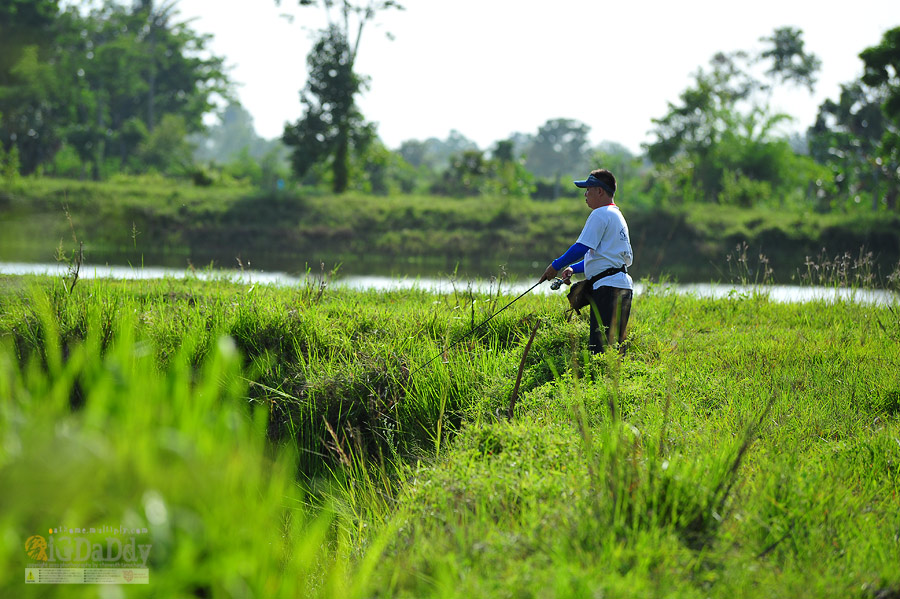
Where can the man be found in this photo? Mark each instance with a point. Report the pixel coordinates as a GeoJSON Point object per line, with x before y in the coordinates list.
{"type": "Point", "coordinates": [602, 253]}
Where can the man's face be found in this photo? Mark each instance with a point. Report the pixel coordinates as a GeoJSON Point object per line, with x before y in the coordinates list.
{"type": "Point", "coordinates": [594, 197]}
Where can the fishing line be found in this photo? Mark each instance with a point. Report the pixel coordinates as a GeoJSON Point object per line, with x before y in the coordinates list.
{"type": "Point", "coordinates": [475, 328]}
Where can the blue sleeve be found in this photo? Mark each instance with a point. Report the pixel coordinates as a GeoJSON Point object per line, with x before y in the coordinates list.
{"type": "Point", "coordinates": [574, 253]}
{"type": "Point", "coordinates": [578, 267]}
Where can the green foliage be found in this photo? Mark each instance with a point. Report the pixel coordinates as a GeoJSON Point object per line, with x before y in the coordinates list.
{"type": "Point", "coordinates": [628, 168]}
{"type": "Point", "coordinates": [435, 154]}
{"type": "Point", "coordinates": [559, 148]}
{"type": "Point", "coordinates": [9, 165]}
{"type": "Point", "coordinates": [331, 128]}
{"type": "Point", "coordinates": [790, 62]}
{"type": "Point", "coordinates": [741, 190]}
{"type": "Point", "coordinates": [858, 136]}
{"type": "Point", "coordinates": [244, 166]}
{"type": "Point", "coordinates": [66, 164]}
{"type": "Point", "coordinates": [233, 135]}
{"type": "Point", "coordinates": [382, 172]}
{"type": "Point", "coordinates": [510, 176]}
{"type": "Point", "coordinates": [471, 173]}
{"type": "Point", "coordinates": [719, 141]}
{"type": "Point", "coordinates": [467, 175]}
{"type": "Point", "coordinates": [847, 139]}
{"type": "Point", "coordinates": [882, 69]}
{"type": "Point", "coordinates": [166, 148]}
{"type": "Point", "coordinates": [103, 81]}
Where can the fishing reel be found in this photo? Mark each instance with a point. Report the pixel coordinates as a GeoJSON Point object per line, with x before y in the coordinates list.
{"type": "Point", "coordinates": [557, 283]}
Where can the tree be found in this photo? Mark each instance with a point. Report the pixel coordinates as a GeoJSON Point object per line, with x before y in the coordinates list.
{"type": "Point", "coordinates": [23, 23]}
{"type": "Point", "coordinates": [27, 80]}
{"type": "Point", "coordinates": [882, 71]}
{"type": "Point", "coordinates": [332, 125]}
{"type": "Point", "coordinates": [858, 136]}
{"type": "Point", "coordinates": [100, 82]}
{"type": "Point", "coordinates": [560, 147]}
{"type": "Point", "coordinates": [790, 62]}
{"type": "Point", "coordinates": [722, 134]}
{"type": "Point", "coordinates": [510, 177]}
{"type": "Point", "coordinates": [627, 168]}
{"type": "Point", "coordinates": [382, 172]}
{"type": "Point", "coordinates": [141, 64]}
{"type": "Point", "coordinates": [414, 151]}
{"type": "Point", "coordinates": [472, 173]}
{"type": "Point", "coordinates": [233, 135]}
{"type": "Point", "coordinates": [435, 154]}
{"type": "Point", "coordinates": [166, 149]}
{"type": "Point", "coordinates": [465, 177]}
{"type": "Point", "coordinates": [846, 137]}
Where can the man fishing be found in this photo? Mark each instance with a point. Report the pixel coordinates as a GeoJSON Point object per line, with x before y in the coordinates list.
{"type": "Point", "coordinates": [603, 253]}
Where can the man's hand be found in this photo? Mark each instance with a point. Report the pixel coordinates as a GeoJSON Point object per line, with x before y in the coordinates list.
{"type": "Point", "coordinates": [566, 274]}
{"type": "Point", "coordinates": [548, 274]}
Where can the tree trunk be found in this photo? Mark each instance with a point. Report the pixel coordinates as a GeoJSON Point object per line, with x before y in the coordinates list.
{"type": "Point", "coordinates": [151, 81]}
{"type": "Point", "coordinates": [340, 169]}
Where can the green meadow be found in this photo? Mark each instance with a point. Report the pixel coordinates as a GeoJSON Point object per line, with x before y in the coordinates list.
{"type": "Point", "coordinates": [313, 442]}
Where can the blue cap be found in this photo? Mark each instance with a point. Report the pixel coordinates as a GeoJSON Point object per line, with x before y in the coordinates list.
{"type": "Point", "coordinates": [593, 181]}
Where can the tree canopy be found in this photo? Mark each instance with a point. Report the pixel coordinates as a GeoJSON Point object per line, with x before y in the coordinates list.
{"type": "Point", "coordinates": [101, 82]}
{"type": "Point", "coordinates": [859, 135]}
{"type": "Point", "coordinates": [332, 127]}
{"type": "Point", "coordinates": [720, 140]}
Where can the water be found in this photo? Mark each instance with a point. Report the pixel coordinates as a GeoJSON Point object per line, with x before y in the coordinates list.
{"type": "Point", "coordinates": [778, 293]}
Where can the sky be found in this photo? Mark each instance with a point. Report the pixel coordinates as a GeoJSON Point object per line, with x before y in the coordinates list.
{"type": "Point", "coordinates": [491, 68]}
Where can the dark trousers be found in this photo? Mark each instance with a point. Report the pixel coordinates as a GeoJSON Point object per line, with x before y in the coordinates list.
{"type": "Point", "coordinates": [610, 306]}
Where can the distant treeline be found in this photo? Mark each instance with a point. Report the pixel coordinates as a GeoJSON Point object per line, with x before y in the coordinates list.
{"type": "Point", "coordinates": [109, 90]}
{"type": "Point", "coordinates": [700, 242]}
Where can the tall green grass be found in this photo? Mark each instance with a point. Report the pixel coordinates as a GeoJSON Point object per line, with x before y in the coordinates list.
{"type": "Point", "coordinates": [294, 442]}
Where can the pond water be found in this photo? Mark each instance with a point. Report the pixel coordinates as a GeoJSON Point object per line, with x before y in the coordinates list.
{"type": "Point", "coordinates": [448, 284]}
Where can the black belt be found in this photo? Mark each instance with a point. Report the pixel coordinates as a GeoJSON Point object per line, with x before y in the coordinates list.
{"type": "Point", "coordinates": [606, 273]}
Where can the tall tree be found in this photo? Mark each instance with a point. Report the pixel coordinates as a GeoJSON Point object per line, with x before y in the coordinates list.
{"type": "Point", "coordinates": [858, 136]}
{"type": "Point", "coordinates": [332, 125]}
{"type": "Point", "coordinates": [846, 137]}
{"type": "Point", "coordinates": [722, 129]}
{"type": "Point", "coordinates": [882, 72]}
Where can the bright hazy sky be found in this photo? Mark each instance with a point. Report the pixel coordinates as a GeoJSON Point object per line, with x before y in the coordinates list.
{"type": "Point", "coordinates": [490, 68]}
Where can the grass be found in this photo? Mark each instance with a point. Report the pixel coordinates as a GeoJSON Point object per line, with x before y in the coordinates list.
{"type": "Point", "coordinates": [285, 442]}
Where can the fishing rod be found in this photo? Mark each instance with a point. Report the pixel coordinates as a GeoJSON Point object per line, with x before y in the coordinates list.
{"type": "Point", "coordinates": [487, 320]}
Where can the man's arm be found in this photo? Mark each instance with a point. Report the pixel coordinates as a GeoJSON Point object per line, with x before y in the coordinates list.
{"type": "Point", "coordinates": [576, 252]}
{"type": "Point", "coordinates": [573, 254]}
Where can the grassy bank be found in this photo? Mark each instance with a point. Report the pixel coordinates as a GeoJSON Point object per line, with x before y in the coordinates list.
{"type": "Point", "coordinates": [160, 218]}
{"type": "Point", "coordinates": [294, 442]}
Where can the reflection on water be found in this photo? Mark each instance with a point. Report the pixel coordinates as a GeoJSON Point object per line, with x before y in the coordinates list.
{"type": "Point", "coordinates": [779, 293]}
